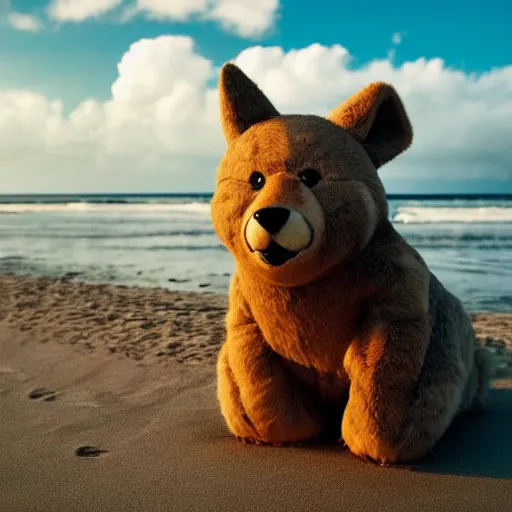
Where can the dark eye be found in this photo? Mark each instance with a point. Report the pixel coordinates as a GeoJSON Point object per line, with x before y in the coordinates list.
{"type": "Point", "coordinates": [257, 180]}
{"type": "Point", "coordinates": [310, 177]}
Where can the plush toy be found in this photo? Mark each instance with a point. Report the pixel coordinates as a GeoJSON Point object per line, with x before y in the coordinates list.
{"type": "Point", "coordinates": [335, 324]}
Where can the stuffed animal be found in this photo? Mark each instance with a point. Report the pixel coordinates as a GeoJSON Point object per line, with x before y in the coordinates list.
{"type": "Point", "coordinates": [335, 325]}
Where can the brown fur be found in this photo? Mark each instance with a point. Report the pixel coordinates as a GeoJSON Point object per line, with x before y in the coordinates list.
{"type": "Point", "coordinates": [354, 332]}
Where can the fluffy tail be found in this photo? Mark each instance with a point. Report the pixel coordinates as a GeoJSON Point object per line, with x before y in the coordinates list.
{"type": "Point", "coordinates": [486, 369]}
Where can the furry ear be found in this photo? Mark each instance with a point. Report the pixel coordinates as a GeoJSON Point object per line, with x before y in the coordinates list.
{"type": "Point", "coordinates": [376, 117]}
{"type": "Point", "coordinates": [242, 104]}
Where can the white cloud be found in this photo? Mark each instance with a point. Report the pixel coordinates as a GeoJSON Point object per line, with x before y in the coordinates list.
{"type": "Point", "coordinates": [24, 22]}
{"type": "Point", "coordinates": [162, 120]}
{"type": "Point", "coordinates": [179, 10]}
{"type": "Point", "coordinates": [247, 18]}
{"type": "Point", "coordinates": [397, 38]}
{"type": "Point", "coordinates": [80, 10]}
{"type": "Point", "coordinates": [457, 118]}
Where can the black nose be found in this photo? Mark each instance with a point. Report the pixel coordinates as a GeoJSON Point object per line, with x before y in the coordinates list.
{"type": "Point", "coordinates": [272, 219]}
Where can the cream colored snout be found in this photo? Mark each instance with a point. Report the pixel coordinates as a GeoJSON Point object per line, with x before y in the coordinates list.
{"type": "Point", "coordinates": [282, 225]}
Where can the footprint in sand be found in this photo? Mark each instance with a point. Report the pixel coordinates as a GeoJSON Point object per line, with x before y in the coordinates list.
{"type": "Point", "coordinates": [47, 395]}
{"type": "Point", "coordinates": [89, 451]}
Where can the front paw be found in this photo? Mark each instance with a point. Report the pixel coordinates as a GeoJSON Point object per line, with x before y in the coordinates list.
{"type": "Point", "coordinates": [276, 426]}
{"type": "Point", "coordinates": [281, 430]}
{"type": "Point", "coordinates": [278, 417]}
{"type": "Point", "coordinates": [291, 426]}
{"type": "Point", "coordinates": [292, 437]}
{"type": "Point", "coordinates": [362, 440]}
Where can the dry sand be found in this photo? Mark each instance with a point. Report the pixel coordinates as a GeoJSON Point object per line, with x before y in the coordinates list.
{"type": "Point", "coordinates": [131, 373]}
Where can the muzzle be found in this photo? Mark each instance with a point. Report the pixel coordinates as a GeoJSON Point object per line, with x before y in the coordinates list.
{"type": "Point", "coordinates": [278, 234]}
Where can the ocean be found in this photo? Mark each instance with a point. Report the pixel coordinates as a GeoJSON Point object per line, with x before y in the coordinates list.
{"type": "Point", "coordinates": [168, 241]}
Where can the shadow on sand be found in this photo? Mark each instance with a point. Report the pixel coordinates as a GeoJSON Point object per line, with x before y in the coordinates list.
{"type": "Point", "coordinates": [479, 444]}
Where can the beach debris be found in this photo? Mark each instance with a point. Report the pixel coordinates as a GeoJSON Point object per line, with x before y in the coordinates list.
{"type": "Point", "coordinates": [46, 394]}
{"type": "Point", "coordinates": [89, 451]}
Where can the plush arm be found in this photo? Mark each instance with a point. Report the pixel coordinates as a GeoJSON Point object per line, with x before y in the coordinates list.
{"type": "Point", "coordinates": [384, 366]}
{"type": "Point", "coordinates": [259, 399]}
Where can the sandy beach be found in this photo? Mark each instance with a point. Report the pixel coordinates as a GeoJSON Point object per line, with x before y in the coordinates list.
{"type": "Point", "coordinates": [128, 375]}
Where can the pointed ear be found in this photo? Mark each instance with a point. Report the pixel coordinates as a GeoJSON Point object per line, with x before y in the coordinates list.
{"type": "Point", "coordinates": [242, 104]}
{"type": "Point", "coordinates": [376, 117]}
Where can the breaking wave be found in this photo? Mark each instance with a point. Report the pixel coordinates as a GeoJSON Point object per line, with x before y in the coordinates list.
{"type": "Point", "coordinates": [428, 215]}
{"type": "Point", "coordinates": [87, 207]}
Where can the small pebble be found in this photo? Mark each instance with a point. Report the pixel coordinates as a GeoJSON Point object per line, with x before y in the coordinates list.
{"type": "Point", "coordinates": [40, 393]}
{"type": "Point", "coordinates": [89, 451]}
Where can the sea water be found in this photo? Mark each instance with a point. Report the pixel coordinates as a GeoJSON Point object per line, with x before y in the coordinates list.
{"type": "Point", "coordinates": [169, 241]}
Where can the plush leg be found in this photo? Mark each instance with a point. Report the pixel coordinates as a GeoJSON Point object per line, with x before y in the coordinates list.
{"type": "Point", "coordinates": [258, 398]}
{"type": "Point", "coordinates": [406, 387]}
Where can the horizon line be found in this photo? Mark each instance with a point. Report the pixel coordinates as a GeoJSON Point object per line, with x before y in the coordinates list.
{"type": "Point", "coordinates": [442, 195]}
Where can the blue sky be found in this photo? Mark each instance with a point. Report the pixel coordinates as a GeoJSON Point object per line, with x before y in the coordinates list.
{"type": "Point", "coordinates": [79, 60]}
{"type": "Point", "coordinates": [73, 61]}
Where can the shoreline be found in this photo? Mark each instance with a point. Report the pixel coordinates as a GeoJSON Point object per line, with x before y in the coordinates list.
{"type": "Point", "coordinates": [158, 323]}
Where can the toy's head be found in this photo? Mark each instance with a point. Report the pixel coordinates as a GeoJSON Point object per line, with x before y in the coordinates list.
{"type": "Point", "coordinates": [297, 195]}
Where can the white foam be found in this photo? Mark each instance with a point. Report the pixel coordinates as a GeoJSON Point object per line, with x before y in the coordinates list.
{"type": "Point", "coordinates": [423, 215]}
{"type": "Point", "coordinates": [404, 214]}
{"type": "Point", "coordinates": [193, 208]}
